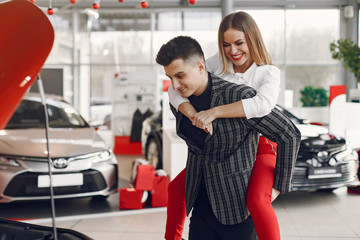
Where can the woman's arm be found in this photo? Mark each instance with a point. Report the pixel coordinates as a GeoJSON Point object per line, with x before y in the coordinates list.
{"type": "Point", "coordinates": [187, 109]}
{"type": "Point", "coordinates": [203, 118]}
{"type": "Point", "coordinates": [267, 86]}
{"type": "Point", "coordinates": [175, 98]}
{"type": "Point", "coordinates": [184, 106]}
{"type": "Point", "coordinates": [179, 103]}
{"type": "Point", "coordinates": [266, 82]}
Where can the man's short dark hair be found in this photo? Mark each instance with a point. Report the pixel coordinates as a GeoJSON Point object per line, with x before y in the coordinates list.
{"type": "Point", "coordinates": [183, 47]}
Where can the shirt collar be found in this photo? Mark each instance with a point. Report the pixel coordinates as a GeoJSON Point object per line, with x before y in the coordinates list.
{"type": "Point", "coordinates": [246, 75]}
{"type": "Point", "coordinates": [248, 72]}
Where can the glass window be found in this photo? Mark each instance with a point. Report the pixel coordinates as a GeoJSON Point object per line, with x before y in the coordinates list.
{"type": "Point", "coordinates": [200, 21]}
{"type": "Point", "coordinates": [309, 33]}
{"type": "Point", "coordinates": [207, 40]}
{"type": "Point", "coordinates": [271, 25]}
{"type": "Point", "coordinates": [297, 77]}
{"type": "Point", "coordinates": [169, 21]}
{"type": "Point", "coordinates": [127, 47]}
{"type": "Point", "coordinates": [297, 45]}
{"type": "Point", "coordinates": [61, 52]}
{"type": "Point", "coordinates": [308, 57]}
{"type": "Point", "coordinates": [188, 21]}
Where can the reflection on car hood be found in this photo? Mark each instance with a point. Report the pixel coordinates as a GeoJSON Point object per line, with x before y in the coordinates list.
{"type": "Point", "coordinates": [63, 142]}
{"type": "Point", "coordinates": [309, 130]}
{"type": "Point", "coordinates": [323, 142]}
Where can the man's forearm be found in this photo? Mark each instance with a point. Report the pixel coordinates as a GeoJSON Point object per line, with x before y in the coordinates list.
{"type": "Point", "coordinates": [285, 162]}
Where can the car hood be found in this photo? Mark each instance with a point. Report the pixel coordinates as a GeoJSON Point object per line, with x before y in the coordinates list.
{"type": "Point", "coordinates": [63, 142]}
{"type": "Point", "coordinates": [309, 130]}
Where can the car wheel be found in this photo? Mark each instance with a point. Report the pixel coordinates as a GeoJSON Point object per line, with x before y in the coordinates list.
{"type": "Point", "coordinates": [153, 152]}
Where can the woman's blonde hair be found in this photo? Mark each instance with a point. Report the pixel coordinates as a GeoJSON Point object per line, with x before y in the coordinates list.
{"type": "Point", "coordinates": [242, 21]}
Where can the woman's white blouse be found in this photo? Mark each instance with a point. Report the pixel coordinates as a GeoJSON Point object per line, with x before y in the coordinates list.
{"type": "Point", "coordinates": [264, 79]}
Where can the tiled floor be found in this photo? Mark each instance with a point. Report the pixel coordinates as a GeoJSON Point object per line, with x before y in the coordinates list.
{"type": "Point", "coordinates": [301, 215]}
{"type": "Point", "coordinates": [308, 216]}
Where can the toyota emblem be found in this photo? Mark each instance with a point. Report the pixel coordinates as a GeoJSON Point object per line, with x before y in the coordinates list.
{"type": "Point", "coordinates": [60, 163]}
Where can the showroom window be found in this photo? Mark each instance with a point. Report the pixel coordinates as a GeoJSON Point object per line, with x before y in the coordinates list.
{"type": "Point", "coordinates": [300, 47]}
{"type": "Point", "coordinates": [188, 21]}
{"type": "Point", "coordinates": [308, 59]}
{"type": "Point", "coordinates": [121, 48]}
{"type": "Point", "coordinates": [169, 21]}
{"type": "Point", "coordinates": [128, 50]}
{"type": "Point", "coordinates": [70, 55]}
{"type": "Point", "coordinates": [201, 25]}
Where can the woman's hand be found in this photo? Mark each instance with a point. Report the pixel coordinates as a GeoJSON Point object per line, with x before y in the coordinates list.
{"type": "Point", "coordinates": [204, 120]}
{"type": "Point", "coordinates": [209, 128]}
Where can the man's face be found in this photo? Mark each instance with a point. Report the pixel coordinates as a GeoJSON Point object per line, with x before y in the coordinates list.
{"type": "Point", "coordinates": [186, 78]}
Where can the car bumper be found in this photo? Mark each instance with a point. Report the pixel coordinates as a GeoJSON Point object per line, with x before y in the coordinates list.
{"type": "Point", "coordinates": [302, 182]}
{"type": "Point", "coordinates": [22, 186]}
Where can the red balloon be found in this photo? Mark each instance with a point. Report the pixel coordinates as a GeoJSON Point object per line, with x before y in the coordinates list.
{"type": "Point", "coordinates": [144, 4]}
{"type": "Point", "coordinates": [33, 1]}
{"type": "Point", "coordinates": [192, 1]}
{"type": "Point", "coordinates": [95, 6]}
{"type": "Point", "coordinates": [50, 11]}
{"type": "Point", "coordinates": [121, 0]}
{"type": "Point", "coordinates": [73, 1]}
{"type": "Point", "coordinates": [20, 63]}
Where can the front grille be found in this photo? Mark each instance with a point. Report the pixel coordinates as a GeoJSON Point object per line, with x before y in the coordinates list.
{"type": "Point", "coordinates": [302, 182]}
{"type": "Point", "coordinates": [25, 185]}
{"type": "Point", "coordinates": [306, 152]}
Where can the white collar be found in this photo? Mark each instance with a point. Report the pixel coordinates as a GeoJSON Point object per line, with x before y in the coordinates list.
{"type": "Point", "coordinates": [247, 73]}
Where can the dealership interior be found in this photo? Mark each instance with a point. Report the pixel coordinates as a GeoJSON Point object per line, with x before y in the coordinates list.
{"type": "Point", "coordinates": [78, 166]}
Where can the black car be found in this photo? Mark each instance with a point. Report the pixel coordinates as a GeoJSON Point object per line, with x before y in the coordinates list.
{"type": "Point", "coordinates": [325, 162]}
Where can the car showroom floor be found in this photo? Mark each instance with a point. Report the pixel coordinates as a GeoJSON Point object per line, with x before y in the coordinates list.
{"type": "Point", "coordinates": [301, 215]}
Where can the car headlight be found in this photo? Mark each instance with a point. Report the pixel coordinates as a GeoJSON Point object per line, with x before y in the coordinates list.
{"type": "Point", "coordinates": [8, 161]}
{"type": "Point", "coordinates": [101, 156]}
{"type": "Point", "coordinates": [343, 155]}
{"type": "Point", "coordinates": [95, 157]}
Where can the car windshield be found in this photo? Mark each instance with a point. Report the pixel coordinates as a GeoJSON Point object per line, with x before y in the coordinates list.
{"type": "Point", "coordinates": [30, 114]}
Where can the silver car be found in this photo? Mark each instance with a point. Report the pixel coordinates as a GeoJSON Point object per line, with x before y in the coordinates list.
{"type": "Point", "coordinates": [82, 164]}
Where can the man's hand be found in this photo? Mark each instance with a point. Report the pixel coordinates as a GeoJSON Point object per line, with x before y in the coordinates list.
{"type": "Point", "coordinates": [275, 193]}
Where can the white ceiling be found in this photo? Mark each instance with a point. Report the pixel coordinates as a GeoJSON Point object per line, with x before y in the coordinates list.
{"type": "Point", "coordinates": [163, 5]}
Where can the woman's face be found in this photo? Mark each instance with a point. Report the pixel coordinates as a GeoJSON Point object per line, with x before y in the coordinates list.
{"type": "Point", "coordinates": [236, 49]}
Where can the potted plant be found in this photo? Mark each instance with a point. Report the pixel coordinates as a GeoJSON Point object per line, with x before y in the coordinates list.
{"type": "Point", "coordinates": [314, 97]}
{"type": "Point", "coordinates": [348, 52]}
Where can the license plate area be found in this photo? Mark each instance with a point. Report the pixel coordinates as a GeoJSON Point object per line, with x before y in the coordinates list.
{"type": "Point", "coordinates": [61, 180]}
{"type": "Point", "coordinates": [324, 172]}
